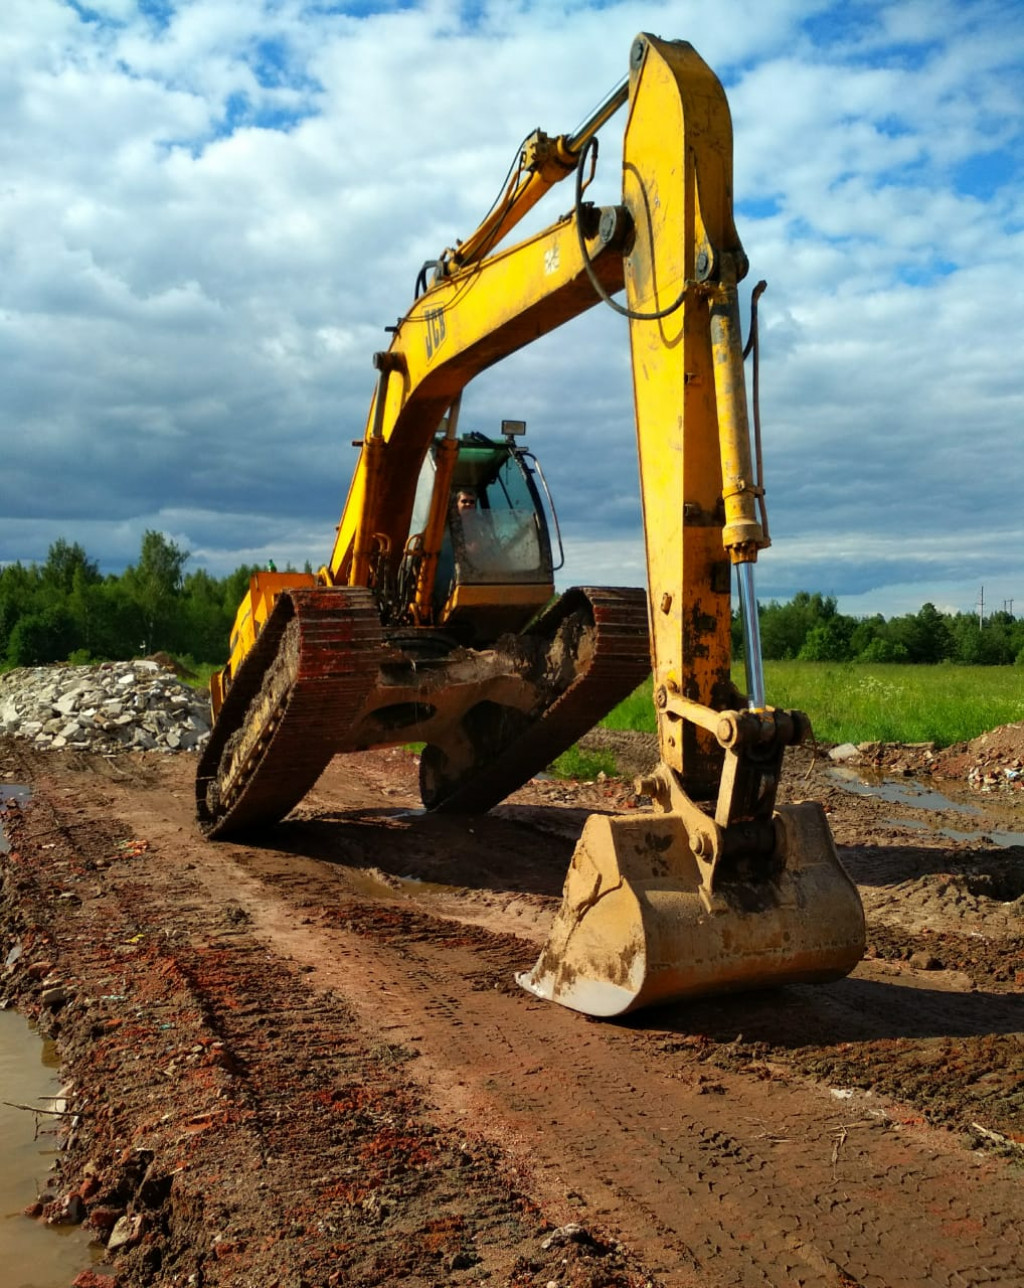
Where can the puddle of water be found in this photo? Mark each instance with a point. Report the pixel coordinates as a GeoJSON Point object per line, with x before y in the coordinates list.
{"type": "Point", "coordinates": [10, 792]}
{"type": "Point", "coordinates": [910, 823]}
{"type": "Point", "coordinates": [367, 883]}
{"type": "Point", "coordinates": [897, 793]}
{"type": "Point", "coordinates": [32, 1255]}
{"type": "Point", "coordinates": [416, 886]}
{"type": "Point", "coordinates": [998, 836]}
{"type": "Point", "coordinates": [913, 794]}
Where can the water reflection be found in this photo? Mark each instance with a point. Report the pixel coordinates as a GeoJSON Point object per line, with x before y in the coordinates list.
{"type": "Point", "coordinates": [32, 1255]}
{"type": "Point", "coordinates": [911, 793]}
{"type": "Point", "coordinates": [901, 792]}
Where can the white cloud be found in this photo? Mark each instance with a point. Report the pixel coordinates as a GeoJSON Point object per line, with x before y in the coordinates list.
{"type": "Point", "coordinates": [206, 223]}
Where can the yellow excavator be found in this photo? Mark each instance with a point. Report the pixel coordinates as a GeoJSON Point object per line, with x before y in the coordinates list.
{"type": "Point", "coordinates": [434, 619]}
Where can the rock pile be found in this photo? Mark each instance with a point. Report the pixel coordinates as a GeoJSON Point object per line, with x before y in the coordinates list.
{"type": "Point", "coordinates": [994, 761]}
{"type": "Point", "coordinates": [110, 707]}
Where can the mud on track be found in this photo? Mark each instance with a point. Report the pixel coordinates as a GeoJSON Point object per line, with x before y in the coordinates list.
{"type": "Point", "coordinates": [306, 1061]}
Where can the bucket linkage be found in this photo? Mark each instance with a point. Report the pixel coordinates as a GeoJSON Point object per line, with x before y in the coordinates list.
{"type": "Point", "coordinates": [681, 903]}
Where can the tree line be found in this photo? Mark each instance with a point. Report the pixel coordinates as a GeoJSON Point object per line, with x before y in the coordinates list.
{"type": "Point", "coordinates": [811, 628]}
{"type": "Point", "coordinates": [65, 610]}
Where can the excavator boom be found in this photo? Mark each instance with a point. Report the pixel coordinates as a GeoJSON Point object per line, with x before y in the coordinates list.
{"type": "Point", "coordinates": [424, 623]}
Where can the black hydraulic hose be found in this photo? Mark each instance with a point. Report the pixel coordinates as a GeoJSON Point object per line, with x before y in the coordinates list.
{"type": "Point", "coordinates": [421, 278]}
{"type": "Point", "coordinates": [588, 265]}
{"type": "Point", "coordinates": [755, 295]}
{"type": "Point", "coordinates": [752, 347]}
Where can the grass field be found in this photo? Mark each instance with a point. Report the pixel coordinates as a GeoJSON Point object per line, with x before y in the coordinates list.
{"type": "Point", "coordinates": [847, 702]}
{"type": "Point", "coordinates": [856, 702]}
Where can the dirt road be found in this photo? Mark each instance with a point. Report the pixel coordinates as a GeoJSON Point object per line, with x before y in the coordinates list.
{"type": "Point", "coordinates": [307, 1063]}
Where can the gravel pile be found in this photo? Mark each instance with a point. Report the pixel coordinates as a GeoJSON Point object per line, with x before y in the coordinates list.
{"type": "Point", "coordinates": [111, 707]}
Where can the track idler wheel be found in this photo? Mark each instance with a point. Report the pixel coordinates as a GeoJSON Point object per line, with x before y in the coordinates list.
{"type": "Point", "coordinates": [437, 779]}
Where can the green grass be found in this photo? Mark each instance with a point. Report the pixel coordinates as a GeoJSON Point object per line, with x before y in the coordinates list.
{"type": "Point", "coordinates": [858, 702]}
{"type": "Point", "coordinates": [201, 672]}
{"type": "Point", "coordinates": [583, 765]}
{"type": "Point", "coordinates": [636, 712]}
{"type": "Point", "coordinates": [943, 704]}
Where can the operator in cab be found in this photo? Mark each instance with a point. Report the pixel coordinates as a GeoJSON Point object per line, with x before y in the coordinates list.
{"type": "Point", "coordinates": [479, 545]}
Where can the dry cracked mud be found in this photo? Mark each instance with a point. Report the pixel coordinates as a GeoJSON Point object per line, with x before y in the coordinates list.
{"type": "Point", "coordinates": [306, 1062]}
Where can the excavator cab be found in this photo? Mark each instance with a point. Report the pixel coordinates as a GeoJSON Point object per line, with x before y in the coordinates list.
{"type": "Point", "coordinates": [495, 566]}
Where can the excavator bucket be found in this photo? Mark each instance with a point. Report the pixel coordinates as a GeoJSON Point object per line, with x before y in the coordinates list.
{"type": "Point", "coordinates": [639, 925]}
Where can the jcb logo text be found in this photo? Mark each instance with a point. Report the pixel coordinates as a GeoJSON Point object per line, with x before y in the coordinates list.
{"type": "Point", "coordinates": [434, 319]}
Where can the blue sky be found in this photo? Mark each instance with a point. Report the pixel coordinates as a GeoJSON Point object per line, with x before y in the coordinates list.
{"type": "Point", "coordinates": [211, 208]}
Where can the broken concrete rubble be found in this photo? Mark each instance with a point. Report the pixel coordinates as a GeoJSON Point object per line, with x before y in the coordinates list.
{"type": "Point", "coordinates": [109, 707]}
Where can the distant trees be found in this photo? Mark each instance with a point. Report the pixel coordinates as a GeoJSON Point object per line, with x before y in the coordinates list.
{"type": "Point", "coordinates": [785, 627]}
{"type": "Point", "coordinates": [45, 635]}
{"type": "Point", "coordinates": [65, 563]}
{"type": "Point", "coordinates": [65, 607]}
{"type": "Point", "coordinates": [154, 586]}
{"type": "Point", "coordinates": [810, 627]}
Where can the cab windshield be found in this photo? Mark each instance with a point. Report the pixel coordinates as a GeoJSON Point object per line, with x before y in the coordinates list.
{"type": "Point", "coordinates": [493, 523]}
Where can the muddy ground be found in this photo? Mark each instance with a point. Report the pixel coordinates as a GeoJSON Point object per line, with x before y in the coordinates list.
{"type": "Point", "coordinates": [306, 1062]}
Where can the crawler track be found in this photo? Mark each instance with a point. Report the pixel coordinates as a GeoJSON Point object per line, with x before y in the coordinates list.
{"type": "Point", "coordinates": [298, 698]}
{"type": "Point", "coordinates": [294, 699]}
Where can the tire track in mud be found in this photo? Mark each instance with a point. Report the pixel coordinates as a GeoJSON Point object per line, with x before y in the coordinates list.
{"type": "Point", "coordinates": [243, 1118]}
{"type": "Point", "coordinates": [827, 1196]}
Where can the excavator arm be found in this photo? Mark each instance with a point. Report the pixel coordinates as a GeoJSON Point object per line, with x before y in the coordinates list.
{"type": "Point", "coordinates": [493, 714]}
{"type": "Point", "coordinates": [719, 890]}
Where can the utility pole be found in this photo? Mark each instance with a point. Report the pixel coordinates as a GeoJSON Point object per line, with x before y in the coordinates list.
{"type": "Point", "coordinates": [981, 609]}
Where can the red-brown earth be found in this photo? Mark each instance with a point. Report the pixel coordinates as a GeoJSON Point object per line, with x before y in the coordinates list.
{"type": "Point", "coordinates": [306, 1062]}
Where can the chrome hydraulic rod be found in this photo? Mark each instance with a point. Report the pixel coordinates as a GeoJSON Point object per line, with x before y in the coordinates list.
{"type": "Point", "coordinates": [575, 143]}
{"type": "Point", "coordinates": [752, 660]}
